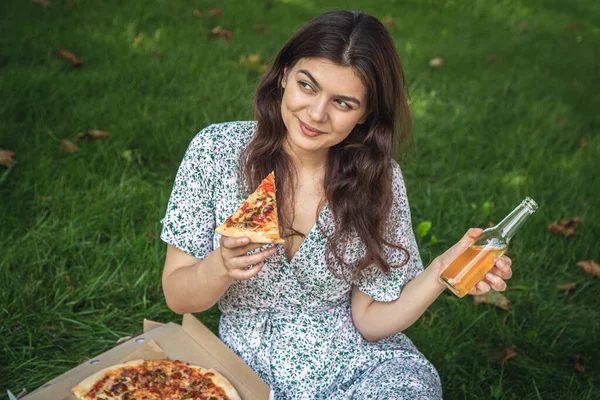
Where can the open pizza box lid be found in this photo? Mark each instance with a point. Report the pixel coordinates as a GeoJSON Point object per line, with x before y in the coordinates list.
{"type": "Point", "coordinates": [190, 342]}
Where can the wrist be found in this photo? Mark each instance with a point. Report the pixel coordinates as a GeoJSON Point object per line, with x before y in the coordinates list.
{"type": "Point", "coordinates": [435, 269]}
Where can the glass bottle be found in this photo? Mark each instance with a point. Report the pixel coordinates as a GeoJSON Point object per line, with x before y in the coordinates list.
{"type": "Point", "coordinates": [472, 264]}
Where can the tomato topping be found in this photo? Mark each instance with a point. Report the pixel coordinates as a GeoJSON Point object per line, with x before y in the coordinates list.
{"type": "Point", "coordinates": [244, 206]}
{"type": "Point", "coordinates": [256, 218]}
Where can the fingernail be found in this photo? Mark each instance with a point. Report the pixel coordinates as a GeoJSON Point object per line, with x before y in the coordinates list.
{"type": "Point", "coordinates": [489, 276]}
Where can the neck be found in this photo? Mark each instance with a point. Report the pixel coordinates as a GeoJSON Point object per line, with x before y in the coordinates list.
{"type": "Point", "coordinates": [306, 161]}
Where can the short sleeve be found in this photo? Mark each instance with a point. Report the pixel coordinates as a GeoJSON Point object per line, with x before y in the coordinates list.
{"type": "Point", "coordinates": [189, 223]}
{"type": "Point", "coordinates": [373, 281]}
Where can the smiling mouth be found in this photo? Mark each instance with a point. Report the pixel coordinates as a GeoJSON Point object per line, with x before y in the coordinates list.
{"type": "Point", "coordinates": [307, 129]}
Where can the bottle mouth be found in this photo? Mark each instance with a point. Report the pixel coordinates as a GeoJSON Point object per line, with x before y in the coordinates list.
{"type": "Point", "coordinates": [530, 204]}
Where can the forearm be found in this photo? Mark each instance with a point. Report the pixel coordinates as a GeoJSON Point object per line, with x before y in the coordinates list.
{"type": "Point", "coordinates": [380, 320]}
{"type": "Point", "coordinates": [196, 287]}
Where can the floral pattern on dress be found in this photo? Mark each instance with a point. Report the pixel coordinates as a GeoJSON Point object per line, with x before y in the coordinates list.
{"type": "Point", "coordinates": [291, 323]}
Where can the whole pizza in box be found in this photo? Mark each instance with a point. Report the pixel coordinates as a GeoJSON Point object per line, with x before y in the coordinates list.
{"type": "Point", "coordinates": [154, 380]}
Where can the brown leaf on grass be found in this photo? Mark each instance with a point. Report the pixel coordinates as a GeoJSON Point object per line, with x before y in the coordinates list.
{"type": "Point", "coordinates": [197, 13]}
{"type": "Point", "coordinates": [578, 363]}
{"type": "Point", "coordinates": [68, 278]}
{"type": "Point", "coordinates": [43, 3]}
{"type": "Point", "coordinates": [590, 267]}
{"type": "Point", "coordinates": [436, 62]}
{"type": "Point", "coordinates": [220, 32]}
{"type": "Point", "coordinates": [68, 146]}
{"type": "Point", "coordinates": [565, 227]}
{"type": "Point", "coordinates": [92, 135]}
{"type": "Point", "coordinates": [565, 287]}
{"type": "Point", "coordinates": [262, 28]}
{"type": "Point", "coordinates": [253, 62]}
{"type": "Point", "coordinates": [46, 199]}
{"type": "Point", "coordinates": [150, 236]}
{"type": "Point", "coordinates": [7, 158]}
{"type": "Point", "coordinates": [70, 57]}
{"type": "Point", "coordinates": [215, 12]}
{"type": "Point", "coordinates": [583, 143]}
{"type": "Point", "coordinates": [490, 224]}
{"type": "Point", "coordinates": [510, 352]}
{"type": "Point", "coordinates": [562, 122]}
{"type": "Point", "coordinates": [390, 23]}
{"type": "Point", "coordinates": [493, 59]}
{"type": "Point", "coordinates": [573, 26]}
{"type": "Point", "coordinates": [138, 39]}
{"type": "Point", "coordinates": [493, 298]}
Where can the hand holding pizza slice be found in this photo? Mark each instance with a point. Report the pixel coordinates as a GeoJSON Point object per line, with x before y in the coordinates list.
{"type": "Point", "coordinates": [256, 219]}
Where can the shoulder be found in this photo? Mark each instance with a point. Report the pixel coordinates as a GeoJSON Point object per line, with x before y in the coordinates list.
{"type": "Point", "coordinates": [225, 136]}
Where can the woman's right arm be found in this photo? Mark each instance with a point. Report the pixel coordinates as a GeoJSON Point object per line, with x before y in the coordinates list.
{"type": "Point", "coordinates": [194, 285]}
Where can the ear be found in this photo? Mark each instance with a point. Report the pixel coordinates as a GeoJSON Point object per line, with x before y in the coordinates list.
{"type": "Point", "coordinates": [363, 119]}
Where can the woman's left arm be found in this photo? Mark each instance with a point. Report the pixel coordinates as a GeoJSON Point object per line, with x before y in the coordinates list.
{"type": "Point", "coordinates": [376, 320]}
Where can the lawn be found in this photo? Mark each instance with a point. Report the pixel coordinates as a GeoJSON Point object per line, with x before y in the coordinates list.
{"type": "Point", "coordinates": [514, 111]}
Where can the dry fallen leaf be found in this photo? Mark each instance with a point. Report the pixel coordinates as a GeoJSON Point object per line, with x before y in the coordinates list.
{"type": "Point", "coordinates": [197, 13]}
{"type": "Point", "coordinates": [573, 26]}
{"type": "Point", "coordinates": [253, 62]}
{"type": "Point", "coordinates": [578, 363]}
{"type": "Point", "coordinates": [67, 55]}
{"type": "Point", "coordinates": [138, 39]}
{"type": "Point", "coordinates": [262, 28]}
{"type": "Point", "coordinates": [510, 352]}
{"type": "Point", "coordinates": [7, 158]}
{"type": "Point", "coordinates": [220, 32]}
{"type": "Point", "coordinates": [150, 236]}
{"type": "Point", "coordinates": [68, 278]}
{"type": "Point", "coordinates": [583, 143]}
{"type": "Point", "coordinates": [43, 3]}
{"type": "Point", "coordinates": [493, 59]}
{"type": "Point", "coordinates": [562, 122]}
{"type": "Point", "coordinates": [493, 298]}
{"type": "Point", "coordinates": [436, 62]}
{"type": "Point", "coordinates": [92, 135]}
{"type": "Point", "coordinates": [390, 23]}
{"type": "Point", "coordinates": [565, 287]}
{"type": "Point", "coordinates": [590, 267]}
{"type": "Point", "coordinates": [68, 146]}
{"type": "Point", "coordinates": [565, 227]}
{"type": "Point", "coordinates": [215, 12]}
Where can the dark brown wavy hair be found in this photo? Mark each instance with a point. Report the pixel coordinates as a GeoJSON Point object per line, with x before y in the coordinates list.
{"type": "Point", "coordinates": [358, 176]}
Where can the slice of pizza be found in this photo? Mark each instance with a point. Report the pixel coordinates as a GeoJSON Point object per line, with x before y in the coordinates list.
{"type": "Point", "coordinates": [257, 217]}
{"type": "Point", "coordinates": [155, 379]}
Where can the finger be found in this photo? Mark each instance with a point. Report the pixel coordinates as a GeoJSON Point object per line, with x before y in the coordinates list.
{"type": "Point", "coordinates": [233, 243]}
{"type": "Point", "coordinates": [483, 287]}
{"type": "Point", "coordinates": [245, 261]}
{"type": "Point", "coordinates": [495, 282]}
{"type": "Point", "coordinates": [244, 274]}
{"type": "Point", "coordinates": [503, 264]}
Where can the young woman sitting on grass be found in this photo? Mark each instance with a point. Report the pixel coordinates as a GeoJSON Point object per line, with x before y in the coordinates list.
{"type": "Point", "coordinates": [321, 316]}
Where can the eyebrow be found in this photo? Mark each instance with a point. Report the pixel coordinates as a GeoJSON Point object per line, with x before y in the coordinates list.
{"type": "Point", "coordinates": [339, 96]}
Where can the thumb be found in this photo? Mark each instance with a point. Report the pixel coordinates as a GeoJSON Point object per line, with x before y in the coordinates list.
{"type": "Point", "coordinates": [469, 237]}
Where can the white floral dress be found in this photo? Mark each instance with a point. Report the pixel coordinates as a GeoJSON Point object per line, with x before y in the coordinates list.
{"type": "Point", "coordinates": [291, 322]}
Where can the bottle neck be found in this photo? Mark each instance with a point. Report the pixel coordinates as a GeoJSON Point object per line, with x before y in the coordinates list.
{"type": "Point", "coordinates": [513, 221]}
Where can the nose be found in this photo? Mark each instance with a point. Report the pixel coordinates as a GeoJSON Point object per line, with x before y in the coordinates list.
{"type": "Point", "coordinates": [318, 110]}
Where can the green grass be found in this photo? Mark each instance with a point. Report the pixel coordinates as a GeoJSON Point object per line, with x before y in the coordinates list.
{"type": "Point", "coordinates": [80, 264]}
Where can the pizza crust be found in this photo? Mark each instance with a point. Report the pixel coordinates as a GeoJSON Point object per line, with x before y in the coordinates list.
{"type": "Point", "coordinates": [254, 236]}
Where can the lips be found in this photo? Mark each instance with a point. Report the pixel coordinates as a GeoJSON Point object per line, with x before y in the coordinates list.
{"type": "Point", "coordinates": [308, 130]}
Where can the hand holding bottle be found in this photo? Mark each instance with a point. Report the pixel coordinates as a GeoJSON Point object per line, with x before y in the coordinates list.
{"type": "Point", "coordinates": [494, 279]}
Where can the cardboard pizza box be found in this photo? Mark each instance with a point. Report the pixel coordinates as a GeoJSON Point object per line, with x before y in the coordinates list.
{"type": "Point", "coordinates": [190, 342]}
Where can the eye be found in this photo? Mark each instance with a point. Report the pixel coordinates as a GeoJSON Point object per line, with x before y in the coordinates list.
{"type": "Point", "coordinates": [343, 104]}
{"type": "Point", "coordinates": [305, 86]}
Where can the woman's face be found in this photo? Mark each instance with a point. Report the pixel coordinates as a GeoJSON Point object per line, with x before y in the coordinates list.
{"type": "Point", "coordinates": [322, 103]}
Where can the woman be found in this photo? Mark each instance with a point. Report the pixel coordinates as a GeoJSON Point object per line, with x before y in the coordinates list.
{"type": "Point", "coordinates": [320, 317]}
